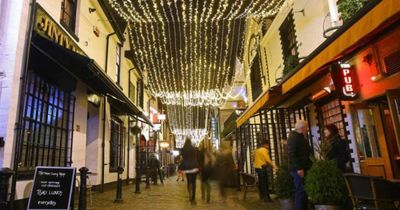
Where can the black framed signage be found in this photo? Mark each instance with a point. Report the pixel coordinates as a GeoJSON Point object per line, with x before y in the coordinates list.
{"type": "Point", "coordinates": [52, 188]}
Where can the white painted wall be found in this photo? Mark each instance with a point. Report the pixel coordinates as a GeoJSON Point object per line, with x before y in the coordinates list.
{"type": "Point", "coordinates": [14, 19]}
{"type": "Point", "coordinates": [87, 134]}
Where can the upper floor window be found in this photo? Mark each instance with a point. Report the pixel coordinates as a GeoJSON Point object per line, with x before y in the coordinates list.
{"type": "Point", "coordinates": [140, 93]}
{"type": "Point", "coordinates": [255, 77]}
{"type": "Point", "coordinates": [132, 92]}
{"type": "Point", "coordinates": [289, 44]}
{"type": "Point", "coordinates": [68, 14]}
{"type": "Point", "coordinates": [117, 63]}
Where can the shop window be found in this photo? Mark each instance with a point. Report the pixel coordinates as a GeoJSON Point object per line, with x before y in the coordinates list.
{"type": "Point", "coordinates": [117, 64]}
{"type": "Point", "coordinates": [132, 92]}
{"type": "Point", "coordinates": [116, 145]}
{"type": "Point", "coordinates": [68, 14]}
{"type": "Point", "coordinates": [366, 133]}
{"type": "Point", "coordinates": [289, 44]}
{"type": "Point", "coordinates": [331, 113]}
{"type": "Point", "coordinates": [255, 76]}
{"type": "Point", "coordinates": [47, 125]}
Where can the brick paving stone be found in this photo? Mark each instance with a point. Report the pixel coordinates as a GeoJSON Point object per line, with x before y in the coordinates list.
{"type": "Point", "coordinates": [173, 195]}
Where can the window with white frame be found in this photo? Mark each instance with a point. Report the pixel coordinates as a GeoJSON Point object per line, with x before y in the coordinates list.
{"type": "Point", "coordinates": [117, 63]}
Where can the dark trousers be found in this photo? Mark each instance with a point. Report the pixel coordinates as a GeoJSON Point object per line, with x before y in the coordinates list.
{"type": "Point", "coordinates": [191, 185]}
{"type": "Point", "coordinates": [263, 183]}
{"type": "Point", "coordinates": [300, 196]}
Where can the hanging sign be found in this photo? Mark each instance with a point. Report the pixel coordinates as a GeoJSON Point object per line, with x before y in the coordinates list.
{"type": "Point", "coordinates": [345, 81]}
{"type": "Point", "coordinates": [52, 188]}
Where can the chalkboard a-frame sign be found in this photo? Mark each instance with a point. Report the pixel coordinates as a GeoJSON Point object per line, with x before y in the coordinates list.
{"type": "Point", "coordinates": [52, 188]}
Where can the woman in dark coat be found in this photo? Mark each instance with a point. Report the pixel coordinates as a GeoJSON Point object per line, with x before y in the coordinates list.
{"type": "Point", "coordinates": [338, 149]}
{"type": "Point", "coordinates": [190, 167]}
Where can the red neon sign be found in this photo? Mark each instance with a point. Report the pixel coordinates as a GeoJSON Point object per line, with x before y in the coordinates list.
{"type": "Point", "coordinates": [348, 88]}
{"type": "Point", "coordinates": [345, 81]}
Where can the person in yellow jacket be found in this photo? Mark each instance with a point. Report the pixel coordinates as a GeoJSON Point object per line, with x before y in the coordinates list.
{"type": "Point", "coordinates": [261, 161]}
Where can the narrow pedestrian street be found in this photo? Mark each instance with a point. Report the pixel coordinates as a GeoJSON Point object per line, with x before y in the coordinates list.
{"type": "Point", "coordinates": [173, 195]}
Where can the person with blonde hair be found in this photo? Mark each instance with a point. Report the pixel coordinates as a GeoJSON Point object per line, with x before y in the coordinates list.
{"type": "Point", "coordinates": [299, 152]}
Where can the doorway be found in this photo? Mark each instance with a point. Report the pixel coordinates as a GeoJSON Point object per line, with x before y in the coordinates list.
{"type": "Point", "coordinates": [372, 147]}
{"type": "Point", "coordinates": [392, 126]}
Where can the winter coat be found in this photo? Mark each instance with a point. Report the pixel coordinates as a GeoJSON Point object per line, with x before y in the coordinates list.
{"type": "Point", "coordinates": [189, 158]}
{"type": "Point", "coordinates": [299, 152]}
{"type": "Point", "coordinates": [338, 152]}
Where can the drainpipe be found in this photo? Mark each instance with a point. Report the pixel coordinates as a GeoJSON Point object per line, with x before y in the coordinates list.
{"type": "Point", "coordinates": [103, 144]}
{"type": "Point", "coordinates": [21, 95]}
{"type": "Point", "coordinates": [107, 42]}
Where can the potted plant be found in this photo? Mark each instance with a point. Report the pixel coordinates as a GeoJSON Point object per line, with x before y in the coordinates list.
{"type": "Point", "coordinates": [325, 185]}
{"type": "Point", "coordinates": [284, 187]}
{"type": "Point", "coordinates": [348, 8]}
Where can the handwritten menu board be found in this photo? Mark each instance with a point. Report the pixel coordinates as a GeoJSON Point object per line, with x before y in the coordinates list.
{"type": "Point", "coordinates": [52, 188]}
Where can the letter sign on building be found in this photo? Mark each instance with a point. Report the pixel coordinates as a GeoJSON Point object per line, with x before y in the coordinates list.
{"type": "Point", "coordinates": [345, 81]}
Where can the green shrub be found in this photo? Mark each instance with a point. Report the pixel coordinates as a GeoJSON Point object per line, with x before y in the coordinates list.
{"type": "Point", "coordinates": [348, 8]}
{"type": "Point", "coordinates": [283, 183]}
{"type": "Point", "coordinates": [325, 184]}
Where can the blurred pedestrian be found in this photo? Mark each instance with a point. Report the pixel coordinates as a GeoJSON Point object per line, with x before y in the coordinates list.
{"type": "Point", "coordinates": [190, 167]}
{"type": "Point", "coordinates": [206, 161]}
{"type": "Point", "coordinates": [224, 167]}
{"type": "Point", "coordinates": [299, 152]}
{"type": "Point", "coordinates": [180, 170]}
{"type": "Point", "coordinates": [338, 149]}
{"type": "Point", "coordinates": [262, 161]}
{"type": "Point", "coordinates": [155, 172]}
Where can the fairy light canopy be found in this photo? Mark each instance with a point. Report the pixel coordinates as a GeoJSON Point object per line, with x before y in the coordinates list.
{"type": "Point", "coordinates": [187, 50]}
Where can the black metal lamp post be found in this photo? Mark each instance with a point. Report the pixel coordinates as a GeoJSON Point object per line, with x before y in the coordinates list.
{"type": "Point", "coordinates": [136, 131]}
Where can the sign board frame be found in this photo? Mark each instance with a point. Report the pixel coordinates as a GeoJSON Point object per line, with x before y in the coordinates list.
{"type": "Point", "coordinates": [71, 190]}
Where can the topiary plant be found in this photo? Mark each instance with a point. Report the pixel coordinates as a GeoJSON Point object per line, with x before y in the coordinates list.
{"type": "Point", "coordinates": [348, 8]}
{"type": "Point", "coordinates": [283, 183]}
{"type": "Point", "coordinates": [325, 184]}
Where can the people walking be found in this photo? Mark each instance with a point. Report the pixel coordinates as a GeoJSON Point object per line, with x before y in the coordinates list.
{"type": "Point", "coordinates": [299, 152]}
{"type": "Point", "coordinates": [224, 167]}
{"type": "Point", "coordinates": [261, 161]}
{"type": "Point", "coordinates": [338, 149]}
{"type": "Point", "coordinates": [180, 170]}
{"type": "Point", "coordinates": [190, 167]}
{"type": "Point", "coordinates": [206, 160]}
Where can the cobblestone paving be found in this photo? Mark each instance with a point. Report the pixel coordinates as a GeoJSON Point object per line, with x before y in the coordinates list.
{"type": "Point", "coordinates": [173, 195]}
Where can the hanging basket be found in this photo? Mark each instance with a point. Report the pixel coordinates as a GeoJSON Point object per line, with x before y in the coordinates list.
{"type": "Point", "coordinates": [136, 130]}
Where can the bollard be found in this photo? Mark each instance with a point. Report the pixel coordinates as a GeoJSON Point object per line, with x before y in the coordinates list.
{"type": "Point", "coordinates": [147, 177]}
{"type": "Point", "coordinates": [5, 175]}
{"type": "Point", "coordinates": [118, 197]}
{"type": "Point", "coordinates": [82, 188]}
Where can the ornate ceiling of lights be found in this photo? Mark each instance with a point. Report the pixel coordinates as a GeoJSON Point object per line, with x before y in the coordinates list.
{"type": "Point", "coordinates": [187, 49]}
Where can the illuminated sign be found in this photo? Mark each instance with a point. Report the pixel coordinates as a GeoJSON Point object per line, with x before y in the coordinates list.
{"type": "Point", "coordinates": [47, 27]}
{"type": "Point", "coordinates": [345, 81]}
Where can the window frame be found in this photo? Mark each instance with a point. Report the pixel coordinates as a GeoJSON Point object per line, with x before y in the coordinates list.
{"type": "Point", "coordinates": [287, 32]}
{"type": "Point", "coordinates": [71, 26]}
{"type": "Point", "coordinates": [117, 74]}
{"type": "Point", "coordinates": [117, 151]}
{"type": "Point", "coordinates": [42, 130]}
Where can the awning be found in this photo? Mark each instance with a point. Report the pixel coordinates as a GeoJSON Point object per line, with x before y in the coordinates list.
{"type": "Point", "coordinates": [64, 67]}
{"type": "Point", "coordinates": [344, 41]}
{"type": "Point", "coordinates": [363, 30]}
{"type": "Point", "coordinates": [266, 99]}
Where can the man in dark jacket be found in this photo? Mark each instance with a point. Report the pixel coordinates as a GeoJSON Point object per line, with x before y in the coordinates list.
{"type": "Point", "coordinates": [299, 152]}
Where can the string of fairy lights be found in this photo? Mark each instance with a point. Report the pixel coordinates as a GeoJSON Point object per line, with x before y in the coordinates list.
{"type": "Point", "coordinates": [187, 49]}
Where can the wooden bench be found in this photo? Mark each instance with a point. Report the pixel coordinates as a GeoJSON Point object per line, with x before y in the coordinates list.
{"type": "Point", "coordinates": [249, 182]}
